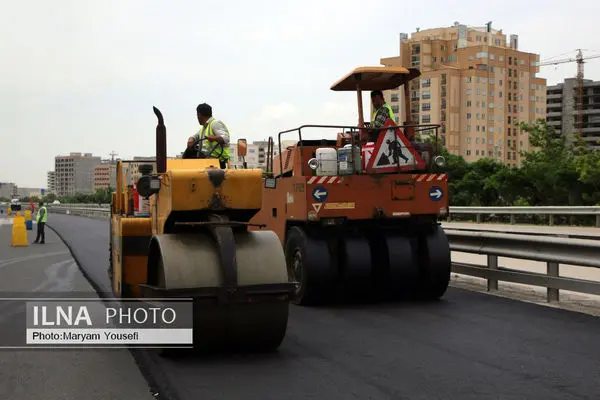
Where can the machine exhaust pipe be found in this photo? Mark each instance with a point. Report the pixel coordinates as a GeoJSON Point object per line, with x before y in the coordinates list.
{"type": "Point", "coordinates": [161, 143]}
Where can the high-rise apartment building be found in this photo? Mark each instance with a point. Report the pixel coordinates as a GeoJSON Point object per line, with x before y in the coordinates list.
{"type": "Point", "coordinates": [563, 109]}
{"type": "Point", "coordinates": [474, 84]}
{"type": "Point", "coordinates": [75, 173]}
{"type": "Point", "coordinates": [51, 182]}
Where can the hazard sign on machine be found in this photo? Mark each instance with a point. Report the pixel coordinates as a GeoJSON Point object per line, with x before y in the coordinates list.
{"type": "Point", "coordinates": [393, 152]}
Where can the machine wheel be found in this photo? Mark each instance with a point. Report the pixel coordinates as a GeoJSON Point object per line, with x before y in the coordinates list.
{"type": "Point", "coordinates": [110, 252]}
{"type": "Point", "coordinates": [356, 267]}
{"type": "Point", "coordinates": [402, 275]}
{"type": "Point", "coordinates": [192, 261]}
{"type": "Point", "coordinates": [435, 263]}
{"type": "Point", "coordinates": [309, 264]}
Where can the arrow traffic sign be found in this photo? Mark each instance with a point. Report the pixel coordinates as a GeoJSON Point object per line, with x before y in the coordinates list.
{"type": "Point", "coordinates": [320, 194]}
{"type": "Point", "coordinates": [436, 193]}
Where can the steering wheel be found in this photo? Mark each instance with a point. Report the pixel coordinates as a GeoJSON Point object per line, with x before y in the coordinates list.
{"type": "Point", "coordinates": [203, 153]}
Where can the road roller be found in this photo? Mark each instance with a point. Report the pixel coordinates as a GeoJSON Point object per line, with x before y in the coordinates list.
{"type": "Point", "coordinates": [358, 213]}
{"type": "Point", "coordinates": [180, 229]}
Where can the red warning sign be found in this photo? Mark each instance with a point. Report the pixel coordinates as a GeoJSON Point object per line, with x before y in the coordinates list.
{"type": "Point", "coordinates": [393, 152]}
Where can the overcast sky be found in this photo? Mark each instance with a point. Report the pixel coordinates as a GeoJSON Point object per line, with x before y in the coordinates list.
{"type": "Point", "coordinates": [82, 76]}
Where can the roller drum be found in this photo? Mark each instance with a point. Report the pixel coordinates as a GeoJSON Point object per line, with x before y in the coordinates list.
{"type": "Point", "coordinates": [192, 261]}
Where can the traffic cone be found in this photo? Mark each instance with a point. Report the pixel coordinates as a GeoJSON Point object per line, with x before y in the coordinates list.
{"type": "Point", "coordinates": [19, 233]}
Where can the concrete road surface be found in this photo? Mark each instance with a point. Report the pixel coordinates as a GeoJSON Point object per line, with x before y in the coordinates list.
{"type": "Point", "coordinates": [54, 374]}
{"type": "Point", "coordinates": [468, 346]}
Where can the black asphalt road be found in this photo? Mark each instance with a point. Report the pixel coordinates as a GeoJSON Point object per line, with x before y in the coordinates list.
{"type": "Point", "coordinates": [468, 346]}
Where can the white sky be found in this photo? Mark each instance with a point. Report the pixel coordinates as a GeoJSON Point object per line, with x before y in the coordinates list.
{"type": "Point", "coordinates": [82, 76]}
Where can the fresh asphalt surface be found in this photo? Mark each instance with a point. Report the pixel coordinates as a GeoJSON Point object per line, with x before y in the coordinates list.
{"type": "Point", "coordinates": [71, 374]}
{"type": "Point", "coordinates": [467, 346]}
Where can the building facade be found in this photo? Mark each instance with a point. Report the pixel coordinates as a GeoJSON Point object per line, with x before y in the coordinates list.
{"type": "Point", "coordinates": [105, 175]}
{"type": "Point", "coordinates": [563, 111]}
{"type": "Point", "coordinates": [51, 182]}
{"type": "Point", "coordinates": [476, 85]}
{"type": "Point", "coordinates": [8, 190]}
{"type": "Point", "coordinates": [256, 154]}
{"type": "Point", "coordinates": [75, 173]}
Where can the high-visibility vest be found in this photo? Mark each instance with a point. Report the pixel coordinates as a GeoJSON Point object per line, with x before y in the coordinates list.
{"type": "Point", "coordinates": [214, 148]}
{"type": "Point", "coordinates": [45, 218]}
{"type": "Point", "coordinates": [386, 105]}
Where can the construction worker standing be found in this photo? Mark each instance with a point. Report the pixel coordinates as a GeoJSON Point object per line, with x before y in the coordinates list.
{"type": "Point", "coordinates": [382, 112]}
{"type": "Point", "coordinates": [216, 135]}
{"type": "Point", "coordinates": [40, 219]}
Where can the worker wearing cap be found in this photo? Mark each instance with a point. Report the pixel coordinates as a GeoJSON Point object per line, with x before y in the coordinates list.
{"type": "Point", "coordinates": [40, 219]}
{"type": "Point", "coordinates": [382, 112]}
{"type": "Point", "coordinates": [216, 144]}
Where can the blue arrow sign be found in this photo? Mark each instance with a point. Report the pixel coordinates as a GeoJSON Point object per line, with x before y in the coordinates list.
{"type": "Point", "coordinates": [320, 194]}
{"type": "Point", "coordinates": [436, 193]}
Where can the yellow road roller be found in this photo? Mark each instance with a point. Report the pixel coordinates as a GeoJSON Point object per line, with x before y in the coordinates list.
{"type": "Point", "coordinates": [179, 228]}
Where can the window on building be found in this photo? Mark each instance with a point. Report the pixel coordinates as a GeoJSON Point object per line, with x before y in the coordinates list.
{"type": "Point", "coordinates": [426, 118]}
{"type": "Point", "coordinates": [476, 140]}
{"type": "Point", "coordinates": [468, 152]}
{"type": "Point", "coordinates": [395, 109]}
{"type": "Point", "coordinates": [468, 115]}
{"type": "Point", "coordinates": [426, 82]}
{"type": "Point", "coordinates": [426, 95]}
{"type": "Point", "coordinates": [491, 105]}
{"type": "Point", "coordinates": [492, 56]}
{"type": "Point", "coordinates": [500, 83]}
{"type": "Point", "coordinates": [426, 107]}
{"type": "Point", "coordinates": [394, 97]}
{"type": "Point", "coordinates": [469, 91]}
{"type": "Point", "coordinates": [500, 94]}
{"type": "Point", "coordinates": [483, 128]}
{"type": "Point", "coordinates": [468, 103]}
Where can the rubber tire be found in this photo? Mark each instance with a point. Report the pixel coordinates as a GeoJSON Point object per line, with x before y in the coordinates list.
{"type": "Point", "coordinates": [317, 276]}
{"type": "Point", "coordinates": [435, 264]}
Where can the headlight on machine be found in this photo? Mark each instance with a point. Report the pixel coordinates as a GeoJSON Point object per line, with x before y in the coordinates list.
{"type": "Point", "coordinates": [313, 164]}
{"type": "Point", "coordinates": [440, 161]}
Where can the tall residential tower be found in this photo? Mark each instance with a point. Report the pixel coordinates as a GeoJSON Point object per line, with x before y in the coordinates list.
{"type": "Point", "coordinates": [476, 85]}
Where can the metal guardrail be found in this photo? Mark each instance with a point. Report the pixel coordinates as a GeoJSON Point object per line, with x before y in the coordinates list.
{"type": "Point", "coordinates": [553, 250]}
{"type": "Point", "coordinates": [550, 211]}
{"type": "Point", "coordinates": [88, 212]}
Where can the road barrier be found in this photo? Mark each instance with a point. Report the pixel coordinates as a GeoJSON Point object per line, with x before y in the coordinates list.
{"type": "Point", "coordinates": [549, 212]}
{"type": "Point", "coordinates": [551, 249]}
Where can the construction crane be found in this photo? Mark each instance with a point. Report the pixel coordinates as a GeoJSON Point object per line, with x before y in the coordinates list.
{"type": "Point", "coordinates": [112, 155]}
{"type": "Point", "coordinates": [580, 60]}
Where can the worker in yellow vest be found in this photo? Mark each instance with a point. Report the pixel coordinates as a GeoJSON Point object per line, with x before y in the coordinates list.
{"type": "Point", "coordinates": [382, 112]}
{"type": "Point", "coordinates": [40, 219]}
{"type": "Point", "coordinates": [212, 141]}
